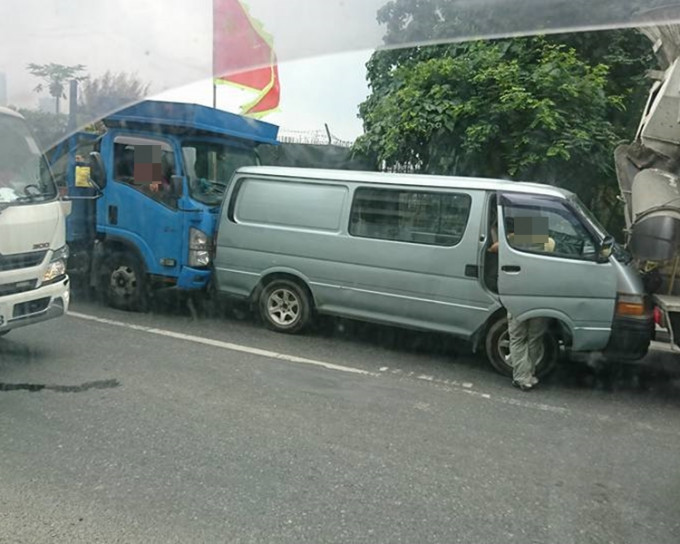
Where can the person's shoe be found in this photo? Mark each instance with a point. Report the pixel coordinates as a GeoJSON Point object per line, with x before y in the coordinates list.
{"type": "Point", "coordinates": [522, 386]}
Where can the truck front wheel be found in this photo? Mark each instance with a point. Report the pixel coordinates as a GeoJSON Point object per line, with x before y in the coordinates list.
{"type": "Point", "coordinates": [123, 283]}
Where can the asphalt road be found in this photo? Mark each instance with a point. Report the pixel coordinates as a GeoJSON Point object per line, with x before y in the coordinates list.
{"type": "Point", "coordinates": [176, 426]}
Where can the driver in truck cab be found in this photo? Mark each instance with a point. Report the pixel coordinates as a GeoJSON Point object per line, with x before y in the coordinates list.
{"type": "Point", "coordinates": [146, 167]}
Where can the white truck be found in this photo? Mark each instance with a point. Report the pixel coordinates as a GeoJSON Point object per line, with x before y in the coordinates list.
{"type": "Point", "coordinates": [33, 252]}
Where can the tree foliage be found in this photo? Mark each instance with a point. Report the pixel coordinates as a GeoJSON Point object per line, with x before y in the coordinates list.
{"type": "Point", "coordinates": [109, 92]}
{"type": "Point", "coordinates": [55, 76]}
{"type": "Point", "coordinates": [544, 108]}
{"type": "Point", "coordinates": [48, 128]}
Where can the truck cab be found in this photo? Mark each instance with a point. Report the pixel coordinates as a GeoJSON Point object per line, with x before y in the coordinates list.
{"type": "Point", "coordinates": [34, 285]}
{"type": "Point", "coordinates": [146, 193]}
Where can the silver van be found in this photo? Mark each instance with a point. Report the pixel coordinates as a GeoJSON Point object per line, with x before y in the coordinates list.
{"type": "Point", "coordinates": [413, 251]}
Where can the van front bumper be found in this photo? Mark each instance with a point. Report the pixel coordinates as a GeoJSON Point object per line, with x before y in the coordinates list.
{"type": "Point", "coordinates": [30, 307]}
{"type": "Point", "coordinates": [630, 338]}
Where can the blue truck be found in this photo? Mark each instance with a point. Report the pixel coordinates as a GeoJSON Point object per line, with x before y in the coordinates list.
{"type": "Point", "coordinates": [146, 189]}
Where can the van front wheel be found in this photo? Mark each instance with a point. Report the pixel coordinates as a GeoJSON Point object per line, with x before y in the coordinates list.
{"type": "Point", "coordinates": [285, 306]}
{"type": "Point", "coordinates": [498, 350]}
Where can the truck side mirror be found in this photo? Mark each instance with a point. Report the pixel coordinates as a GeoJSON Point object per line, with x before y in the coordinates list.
{"type": "Point", "coordinates": [97, 171]}
{"type": "Point", "coordinates": [177, 186]}
{"type": "Point", "coordinates": [605, 249]}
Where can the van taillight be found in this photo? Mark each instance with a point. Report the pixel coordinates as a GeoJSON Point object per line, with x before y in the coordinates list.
{"type": "Point", "coordinates": [630, 305]}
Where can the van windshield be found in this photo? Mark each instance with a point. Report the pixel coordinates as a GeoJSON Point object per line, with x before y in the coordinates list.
{"type": "Point", "coordinates": [589, 217]}
{"type": "Point", "coordinates": [210, 165]}
{"type": "Point", "coordinates": [24, 174]}
{"type": "Point", "coordinates": [620, 253]}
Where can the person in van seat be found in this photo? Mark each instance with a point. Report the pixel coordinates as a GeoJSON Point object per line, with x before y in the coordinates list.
{"type": "Point", "coordinates": [526, 337]}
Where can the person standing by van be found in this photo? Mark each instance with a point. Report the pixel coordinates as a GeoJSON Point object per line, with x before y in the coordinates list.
{"type": "Point", "coordinates": [526, 337]}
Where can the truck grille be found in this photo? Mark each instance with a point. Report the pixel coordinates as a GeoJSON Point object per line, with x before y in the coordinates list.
{"type": "Point", "coordinates": [21, 260]}
{"type": "Point", "coordinates": [18, 287]}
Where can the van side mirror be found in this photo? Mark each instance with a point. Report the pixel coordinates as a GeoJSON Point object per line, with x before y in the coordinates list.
{"type": "Point", "coordinates": [177, 186]}
{"type": "Point", "coordinates": [605, 249]}
{"type": "Point", "coordinates": [97, 171]}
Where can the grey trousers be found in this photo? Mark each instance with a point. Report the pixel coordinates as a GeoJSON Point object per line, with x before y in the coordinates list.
{"type": "Point", "coordinates": [526, 347]}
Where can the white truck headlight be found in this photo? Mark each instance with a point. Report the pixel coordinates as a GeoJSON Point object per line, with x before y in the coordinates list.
{"type": "Point", "coordinates": [56, 269]}
{"type": "Point", "coordinates": [199, 248]}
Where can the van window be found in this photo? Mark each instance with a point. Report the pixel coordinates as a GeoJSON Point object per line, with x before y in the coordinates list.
{"type": "Point", "coordinates": [565, 235]}
{"type": "Point", "coordinates": [290, 204]}
{"type": "Point", "coordinates": [405, 215]}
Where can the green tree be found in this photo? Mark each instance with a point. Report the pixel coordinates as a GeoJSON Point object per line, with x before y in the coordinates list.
{"type": "Point", "coordinates": [547, 108]}
{"type": "Point", "coordinates": [55, 77]}
{"type": "Point", "coordinates": [520, 108]}
{"type": "Point", "coordinates": [109, 92]}
{"type": "Point", "coordinates": [48, 128]}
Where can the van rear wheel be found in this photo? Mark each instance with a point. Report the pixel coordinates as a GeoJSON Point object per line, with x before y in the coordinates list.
{"type": "Point", "coordinates": [285, 306]}
{"type": "Point", "coordinates": [498, 350]}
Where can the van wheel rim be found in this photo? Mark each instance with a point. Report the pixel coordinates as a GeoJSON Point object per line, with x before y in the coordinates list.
{"type": "Point", "coordinates": [123, 281]}
{"type": "Point", "coordinates": [504, 348]}
{"type": "Point", "coordinates": [283, 307]}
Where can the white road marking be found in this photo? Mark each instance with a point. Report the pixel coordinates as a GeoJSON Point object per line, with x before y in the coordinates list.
{"type": "Point", "coordinates": [223, 345]}
{"type": "Point", "coordinates": [447, 385]}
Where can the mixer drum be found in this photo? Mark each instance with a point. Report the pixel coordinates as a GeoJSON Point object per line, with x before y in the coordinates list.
{"type": "Point", "coordinates": [655, 232]}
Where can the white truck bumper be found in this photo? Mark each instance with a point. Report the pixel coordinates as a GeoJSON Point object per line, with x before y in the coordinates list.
{"type": "Point", "coordinates": [34, 306]}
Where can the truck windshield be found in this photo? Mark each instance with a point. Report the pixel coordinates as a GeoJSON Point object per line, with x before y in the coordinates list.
{"type": "Point", "coordinates": [24, 174]}
{"type": "Point", "coordinates": [210, 165]}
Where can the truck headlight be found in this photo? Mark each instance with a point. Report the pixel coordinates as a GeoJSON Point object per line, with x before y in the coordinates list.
{"type": "Point", "coordinates": [56, 269]}
{"type": "Point", "coordinates": [199, 248]}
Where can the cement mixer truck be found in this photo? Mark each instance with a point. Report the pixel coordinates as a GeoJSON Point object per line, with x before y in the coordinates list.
{"type": "Point", "coordinates": [648, 171]}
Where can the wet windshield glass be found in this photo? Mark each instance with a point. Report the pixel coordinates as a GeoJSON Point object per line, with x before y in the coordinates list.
{"type": "Point", "coordinates": [210, 165]}
{"type": "Point", "coordinates": [619, 251]}
{"type": "Point", "coordinates": [594, 221]}
{"type": "Point", "coordinates": [24, 175]}
{"type": "Point", "coordinates": [362, 339]}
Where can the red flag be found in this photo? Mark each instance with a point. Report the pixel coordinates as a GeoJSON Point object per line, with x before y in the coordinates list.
{"type": "Point", "coordinates": [243, 55]}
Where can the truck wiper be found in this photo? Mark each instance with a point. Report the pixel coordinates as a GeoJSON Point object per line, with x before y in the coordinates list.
{"type": "Point", "coordinates": [32, 193]}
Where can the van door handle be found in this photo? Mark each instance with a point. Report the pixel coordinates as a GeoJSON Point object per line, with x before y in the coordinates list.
{"type": "Point", "coordinates": [511, 268]}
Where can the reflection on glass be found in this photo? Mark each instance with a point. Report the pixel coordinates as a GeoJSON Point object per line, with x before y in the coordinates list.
{"type": "Point", "coordinates": [24, 175]}
{"type": "Point", "coordinates": [210, 165]}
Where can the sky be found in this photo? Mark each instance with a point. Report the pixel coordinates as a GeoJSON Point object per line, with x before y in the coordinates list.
{"type": "Point", "coordinates": [314, 91]}
{"type": "Point", "coordinates": [168, 43]}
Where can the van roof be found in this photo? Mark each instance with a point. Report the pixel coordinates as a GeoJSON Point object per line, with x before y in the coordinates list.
{"type": "Point", "coordinates": [420, 180]}
{"type": "Point", "coordinates": [7, 111]}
